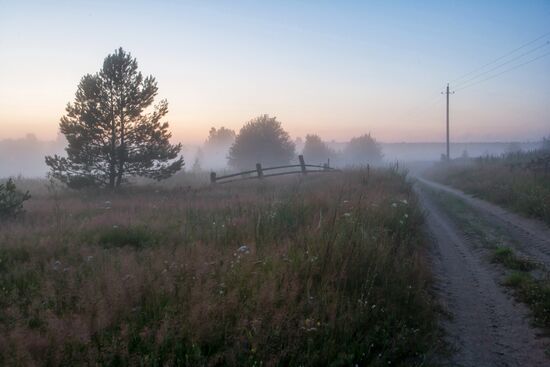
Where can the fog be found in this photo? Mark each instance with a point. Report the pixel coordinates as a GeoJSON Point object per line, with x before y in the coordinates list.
{"type": "Point", "coordinates": [25, 156]}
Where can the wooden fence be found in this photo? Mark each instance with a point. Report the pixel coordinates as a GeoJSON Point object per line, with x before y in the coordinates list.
{"type": "Point", "coordinates": [259, 172]}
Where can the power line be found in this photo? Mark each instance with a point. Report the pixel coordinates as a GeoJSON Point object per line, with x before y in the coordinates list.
{"type": "Point", "coordinates": [500, 57]}
{"type": "Point", "coordinates": [418, 111]}
{"type": "Point", "coordinates": [504, 71]}
{"type": "Point", "coordinates": [467, 81]}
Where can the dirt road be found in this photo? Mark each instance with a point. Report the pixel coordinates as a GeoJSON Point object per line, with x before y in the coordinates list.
{"type": "Point", "coordinates": [487, 326]}
{"type": "Point", "coordinates": [531, 237]}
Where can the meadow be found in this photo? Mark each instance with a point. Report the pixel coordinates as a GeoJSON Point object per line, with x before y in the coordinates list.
{"type": "Point", "coordinates": [506, 180]}
{"type": "Point", "coordinates": [313, 270]}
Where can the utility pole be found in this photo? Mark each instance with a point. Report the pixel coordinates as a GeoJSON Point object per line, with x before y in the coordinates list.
{"type": "Point", "coordinates": [448, 146]}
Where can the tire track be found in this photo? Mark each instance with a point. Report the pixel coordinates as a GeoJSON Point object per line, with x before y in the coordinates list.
{"type": "Point", "coordinates": [532, 237]}
{"type": "Point", "coordinates": [487, 327]}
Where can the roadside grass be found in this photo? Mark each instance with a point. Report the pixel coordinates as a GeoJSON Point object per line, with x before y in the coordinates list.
{"type": "Point", "coordinates": [501, 180]}
{"type": "Point", "coordinates": [507, 257]}
{"type": "Point", "coordinates": [532, 290]}
{"type": "Point", "coordinates": [317, 270]}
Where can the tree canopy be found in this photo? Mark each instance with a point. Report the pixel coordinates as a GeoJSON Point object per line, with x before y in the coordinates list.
{"type": "Point", "coordinates": [220, 137]}
{"type": "Point", "coordinates": [363, 150]}
{"type": "Point", "coordinates": [216, 147]}
{"type": "Point", "coordinates": [114, 131]}
{"type": "Point", "coordinates": [316, 150]}
{"type": "Point", "coordinates": [261, 140]}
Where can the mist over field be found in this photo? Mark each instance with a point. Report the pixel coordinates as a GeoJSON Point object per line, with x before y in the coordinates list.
{"type": "Point", "coordinates": [25, 156]}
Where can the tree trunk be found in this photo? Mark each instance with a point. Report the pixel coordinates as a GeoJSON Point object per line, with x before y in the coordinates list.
{"type": "Point", "coordinates": [112, 153]}
{"type": "Point", "coordinates": [122, 149]}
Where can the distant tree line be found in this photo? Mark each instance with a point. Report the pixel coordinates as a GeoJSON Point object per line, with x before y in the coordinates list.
{"type": "Point", "coordinates": [263, 140]}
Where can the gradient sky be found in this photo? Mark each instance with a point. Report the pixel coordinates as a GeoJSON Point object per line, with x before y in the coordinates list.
{"type": "Point", "coordinates": [336, 68]}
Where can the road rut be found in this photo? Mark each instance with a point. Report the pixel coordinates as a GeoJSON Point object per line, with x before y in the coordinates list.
{"type": "Point", "coordinates": [487, 326]}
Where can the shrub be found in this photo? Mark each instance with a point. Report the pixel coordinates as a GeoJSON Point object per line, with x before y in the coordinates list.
{"type": "Point", "coordinates": [11, 200]}
{"type": "Point", "coordinates": [133, 236]}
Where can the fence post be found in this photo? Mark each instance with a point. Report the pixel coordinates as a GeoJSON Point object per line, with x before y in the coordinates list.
{"type": "Point", "coordinates": [368, 170]}
{"type": "Point", "coordinates": [213, 177]}
{"type": "Point", "coordinates": [302, 164]}
{"type": "Point", "coordinates": [259, 170]}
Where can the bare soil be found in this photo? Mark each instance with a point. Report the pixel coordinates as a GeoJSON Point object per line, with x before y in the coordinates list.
{"type": "Point", "coordinates": [486, 327]}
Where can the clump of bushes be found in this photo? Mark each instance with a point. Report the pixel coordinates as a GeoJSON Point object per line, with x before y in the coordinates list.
{"type": "Point", "coordinates": [133, 236]}
{"type": "Point", "coordinates": [11, 200]}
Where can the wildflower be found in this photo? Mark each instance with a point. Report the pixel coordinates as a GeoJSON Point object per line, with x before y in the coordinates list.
{"type": "Point", "coordinates": [115, 226]}
{"type": "Point", "coordinates": [56, 265]}
{"type": "Point", "coordinates": [394, 205]}
{"type": "Point", "coordinates": [404, 201]}
{"type": "Point", "coordinates": [89, 258]}
{"type": "Point", "coordinates": [347, 214]}
{"type": "Point", "coordinates": [244, 249]}
{"type": "Point", "coordinates": [406, 215]}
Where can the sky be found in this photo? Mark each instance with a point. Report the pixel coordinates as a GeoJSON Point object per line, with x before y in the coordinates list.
{"type": "Point", "coordinates": [335, 68]}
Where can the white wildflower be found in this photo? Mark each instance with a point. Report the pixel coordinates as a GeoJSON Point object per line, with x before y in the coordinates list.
{"type": "Point", "coordinates": [244, 249]}
{"type": "Point", "coordinates": [56, 265]}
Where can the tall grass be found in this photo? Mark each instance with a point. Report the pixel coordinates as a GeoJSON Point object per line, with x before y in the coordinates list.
{"type": "Point", "coordinates": [298, 271]}
{"type": "Point", "coordinates": [503, 180]}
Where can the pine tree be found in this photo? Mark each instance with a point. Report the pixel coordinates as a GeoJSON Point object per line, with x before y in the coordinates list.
{"type": "Point", "coordinates": [112, 132]}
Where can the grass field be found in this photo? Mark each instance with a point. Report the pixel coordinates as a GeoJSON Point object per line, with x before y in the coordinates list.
{"type": "Point", "coordinates": [503, 180]}
{"type": "Point", "coordinates": [317, 270]}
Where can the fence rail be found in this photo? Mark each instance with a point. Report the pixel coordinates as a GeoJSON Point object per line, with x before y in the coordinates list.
{"type": "Point", "coordinates": [258, 173]}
